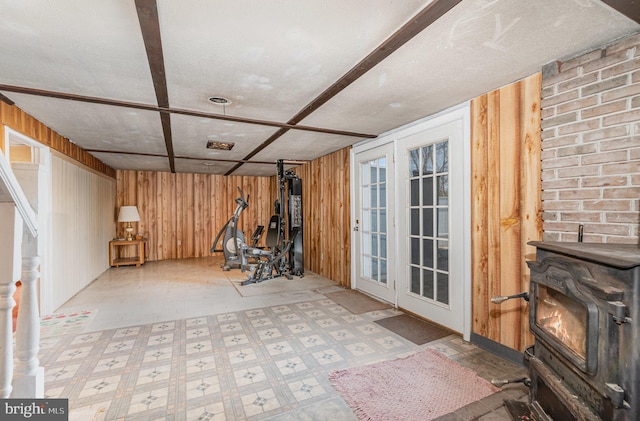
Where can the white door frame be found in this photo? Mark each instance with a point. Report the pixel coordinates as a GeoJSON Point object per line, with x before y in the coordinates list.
{"type": "Point", "coordinates": [458, 112]}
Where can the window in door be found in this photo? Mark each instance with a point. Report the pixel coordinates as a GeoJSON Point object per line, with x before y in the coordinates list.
{"type": "Point", "coordinates": [429, 222]}
{"type": "Point", "coordinates": [374, 220]}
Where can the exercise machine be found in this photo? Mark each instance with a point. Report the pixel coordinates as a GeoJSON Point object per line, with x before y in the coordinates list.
{"type": "Point", "coordinates": [233, 238]}
{"type": "Point", "coordinates": [283, 255]}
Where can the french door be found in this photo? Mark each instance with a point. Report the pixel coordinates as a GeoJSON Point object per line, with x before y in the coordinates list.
{"type": "Point", "coordinates": [432, 224]}
{"type": "Point", "coordinates": [373, 225]}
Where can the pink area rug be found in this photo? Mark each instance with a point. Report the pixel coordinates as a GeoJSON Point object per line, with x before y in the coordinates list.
{"type": "Point", "coordinates": [63, 323]}
{"type": "Point", "coordinates": [422, 387]}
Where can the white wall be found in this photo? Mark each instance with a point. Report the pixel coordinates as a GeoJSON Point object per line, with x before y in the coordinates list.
{"type": "Point", "coordinates": [83, 222]}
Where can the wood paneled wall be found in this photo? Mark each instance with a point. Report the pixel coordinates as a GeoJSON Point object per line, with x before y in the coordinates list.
{"type": "Point", "coordinates": [506, 206]}
{"type": "Point", "coordinates": [327, 221]}
{"type": "Point", "coordinates": [22, 122]}
{"type": "Point", "coordinates": [180, 214]}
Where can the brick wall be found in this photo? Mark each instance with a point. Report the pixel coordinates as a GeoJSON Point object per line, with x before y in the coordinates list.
{"type": "Point", "coordinates": [591, 145]}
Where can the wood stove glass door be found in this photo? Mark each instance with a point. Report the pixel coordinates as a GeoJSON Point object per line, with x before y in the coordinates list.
{"type": "Point", "coordinates": [431, 227]}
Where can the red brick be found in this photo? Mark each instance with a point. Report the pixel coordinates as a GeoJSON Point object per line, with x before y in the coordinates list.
{"type": "Point", "coordinates": [634, 154]}
{"type": "Point", "coordinates": [576, 82]}
{"type": "Point", "coordinates": [580, 60]}
{"type": "Point", "coordinates": [606, 133]}
{"type": "Point", "coordinates": [559, 205]}
{"type": "Point", "coordinates": [560, 226]}
{"type": "Point", "coordinates": [635, 76]}
{"type": "Point", "coordinates": [607, 205]}
{"type": "Point", "coordinates": [560, 77]}
{"type": "Point", "coordinates": [607, 61]}
{"type": "Point", "coordinates": [581, 171]}
{"type": "Point", "coordinates": [548, 154]}
{"type": "Point", "coordinates": [557, 142]}
{"type": "Point", "coordinates": [559, 120]}
{"type": "Point", "coordinates": [605, 85]}
{"type": "Point", "coordinates": [577, 150]}
{"type": "Point", "coordinates": [551, 236]}
{"type": "Point", "coordinates": [610, 229]}
{"type": "Point", "coordinates": [633, 239]}
{"type": "Point", "coordinates": [579, 194]}
{"type": "Point", "coordinates": [625, 117]}
{"type": "Point", "coordinates": [560, 98]}
{"type": "Point", "coordinates": [635, 102]}
{"type": "Point", "coordinates": [625, 67]}
{"type": "Point", "coordinates": [577, 104]}
{"type": "Point", "coordinates": [622, 168]}
{"type": "Point", "coordinates": [549, 195]}
{"type": "Point", "coordinates": [622, 193]}
{"type": "Point", "coordinates": [608, 108]}
{"type": "Point", "coordinates": [561, 162]}
{"type": "Point", "coordinates": [548, 91]}
{"type": "Point", "coordinates": [581, 216]}
{"type": "Point", "coordinates": [548, 134]}
{"type": "Point", "coordinates": [624, 92]}
{"type": "Point", "coordinates": [622, 217]}
{"type": "Point", "coordinates": [604, 181]}
{"type": "Point", "coordinates": [623, 44]}
{"type": "Point", "coordinates": [581, 126]}
{"type": "Point", "coordinates": [635, 180]}
{"type": "Point", "coordinates": [547, 112]}
{"type": "Point", "coordinates": [624, 143]}
{"type": "Point", "coordinates": [606, 157]}
{"type": "Point", "coordinates": [563, 183]}
{"type": "Point", "coordinates": [548, 174]}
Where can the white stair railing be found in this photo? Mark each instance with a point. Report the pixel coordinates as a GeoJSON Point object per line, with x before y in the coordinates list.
{"type": "Point", "coordinates": [18, 261]}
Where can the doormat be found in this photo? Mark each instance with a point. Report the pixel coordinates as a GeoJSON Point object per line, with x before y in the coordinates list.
{"type": "Point", "coordinates": [356, 302]}
{"type": "Point", "coordinates": [415, 330]}
{"type": "Point", "coordinates": [423, 386]}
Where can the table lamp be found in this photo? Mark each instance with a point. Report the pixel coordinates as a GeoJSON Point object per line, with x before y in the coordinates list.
{"type": "Point", "coordinates": [128, 214]}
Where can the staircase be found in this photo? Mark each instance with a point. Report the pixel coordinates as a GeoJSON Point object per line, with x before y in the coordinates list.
{"type": "Point", "coordinates": [20, 373]}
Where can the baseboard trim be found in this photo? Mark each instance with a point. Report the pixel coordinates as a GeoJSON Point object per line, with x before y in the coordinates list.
{"type": "Point", "coordinates": [494, 347]}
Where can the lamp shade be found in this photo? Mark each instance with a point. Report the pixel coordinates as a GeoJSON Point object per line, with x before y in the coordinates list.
{"type": "Point", "coordinates": [128, 214]}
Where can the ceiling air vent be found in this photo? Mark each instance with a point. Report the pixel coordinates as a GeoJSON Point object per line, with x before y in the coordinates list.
{"type": "Point", "coordinates": [220, 100]}
{"type": "Point", "coordinates": [223, 146]}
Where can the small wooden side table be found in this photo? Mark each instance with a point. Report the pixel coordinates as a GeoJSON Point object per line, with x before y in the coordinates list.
{"type": "Point", "coordinates": [114, 253]}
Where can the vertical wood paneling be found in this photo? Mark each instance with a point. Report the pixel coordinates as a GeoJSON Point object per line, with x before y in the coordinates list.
{"type": "Point", "coordinates": [326, 210]}
{"type": "Point", "coordinates": [508, 178]}
{"type": "Point", "coordinates": [531, 195]}
{"type": "Point", "coordinates": [479, 228]}
{"type": "Point", "coordinates": [181, 213]}
{"type": "Point", "coordinates": [506, 206]}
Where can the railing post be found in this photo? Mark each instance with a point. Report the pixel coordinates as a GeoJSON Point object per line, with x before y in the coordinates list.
{"type": "Point", "coordinates": [10, 254]}
{"type": "Point", "coordinates": [28, 381]}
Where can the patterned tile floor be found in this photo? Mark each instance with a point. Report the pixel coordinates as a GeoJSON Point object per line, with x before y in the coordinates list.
{"type": "Point", "coordinates": [264, 363]}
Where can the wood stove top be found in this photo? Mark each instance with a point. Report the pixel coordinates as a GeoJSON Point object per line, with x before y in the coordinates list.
{"type": "Point", "coordinates": [623, 256]}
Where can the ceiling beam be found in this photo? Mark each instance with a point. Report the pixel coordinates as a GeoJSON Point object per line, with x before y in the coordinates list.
{"type": "Point", "coordinates": [629, 8]}
{"type": "Point", "coordinates": [150, 27]}
{"type": "Point", "coordinates": [192, 158]}
{"type": "Point", "coordinates": [190, 113]}
{"type": "Point", "coordinates": [432, 12]}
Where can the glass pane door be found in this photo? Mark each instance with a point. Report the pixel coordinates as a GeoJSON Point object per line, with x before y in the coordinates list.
{"type": "Point", "coordinates": [374, 220]}
{"type": "Point", "coordinates": [374, 271]}
{"type": "Point", "coordinates": [429, 222]}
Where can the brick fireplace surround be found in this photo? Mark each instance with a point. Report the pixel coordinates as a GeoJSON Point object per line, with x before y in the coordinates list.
{"type": "Point", "coordinates": [591, 145]}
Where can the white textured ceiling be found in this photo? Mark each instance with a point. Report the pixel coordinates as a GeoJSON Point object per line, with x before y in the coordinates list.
{"type": "Point", "coordinates": [271, 59]}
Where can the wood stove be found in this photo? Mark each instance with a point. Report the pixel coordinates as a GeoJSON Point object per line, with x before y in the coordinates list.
{"type": "Point", "coordinates": [584, 313]}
